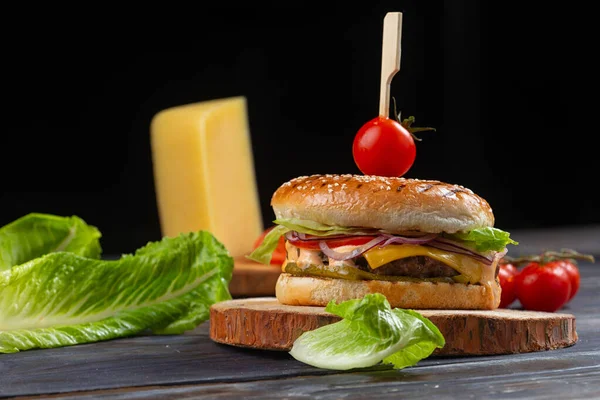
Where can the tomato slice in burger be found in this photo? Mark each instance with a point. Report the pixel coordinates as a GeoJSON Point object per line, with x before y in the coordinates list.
{"type": "Point", "coordinates": [338, 242]}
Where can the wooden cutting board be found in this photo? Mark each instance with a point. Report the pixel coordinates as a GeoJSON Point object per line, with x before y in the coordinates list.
{"type": "Point", "coordinates": [264, 323]}
{"type": "Point", "coordinates": [252, 279]}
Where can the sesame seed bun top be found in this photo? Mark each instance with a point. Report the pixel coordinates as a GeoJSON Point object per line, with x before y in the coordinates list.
{"type": "Point", "coordinates": [387, 203]}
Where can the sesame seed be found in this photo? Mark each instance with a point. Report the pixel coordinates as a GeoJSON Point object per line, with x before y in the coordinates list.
{"type": "Point", "coordinates": [336, 184]}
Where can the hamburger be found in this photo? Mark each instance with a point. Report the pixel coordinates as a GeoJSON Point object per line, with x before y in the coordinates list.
{"type": "Point", "coordinates": [423, 244]}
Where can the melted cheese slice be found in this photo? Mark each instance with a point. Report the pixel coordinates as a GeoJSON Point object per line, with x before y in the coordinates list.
{"type": "Point", "coordinates": [470, 269]}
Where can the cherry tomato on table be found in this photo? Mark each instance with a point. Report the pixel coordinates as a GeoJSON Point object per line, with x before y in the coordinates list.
{"type": "Point", "coordinates": [278, 256]}
{"type": "Point", "coordinates": [574, 276]}
{"type": "Point", "coordinates": [506, 275]}
{"type": "Point", "coordinates": [543, 287]}
{"type": "Point", "coordinates": [549, 280]}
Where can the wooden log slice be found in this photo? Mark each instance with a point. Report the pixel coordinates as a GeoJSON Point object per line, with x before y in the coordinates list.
{"type": "Point", "coordinates": [264, 323]}
{"type": "Point", "coordinates": [252, 279]}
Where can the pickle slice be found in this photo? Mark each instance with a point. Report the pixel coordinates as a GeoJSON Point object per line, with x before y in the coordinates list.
{"type": "Point", "coordinates": [355, 274]}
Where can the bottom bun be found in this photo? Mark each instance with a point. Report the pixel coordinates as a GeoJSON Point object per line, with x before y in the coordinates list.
{"type": "Point", "coordinates": [316, 291]}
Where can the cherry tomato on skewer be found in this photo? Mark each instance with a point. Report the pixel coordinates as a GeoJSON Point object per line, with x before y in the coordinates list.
{"type": "Point", "coordinates": [386, 147]}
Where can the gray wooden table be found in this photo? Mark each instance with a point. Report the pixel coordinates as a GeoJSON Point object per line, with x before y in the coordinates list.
{"type": "Point", "coordinates": [192, 366]}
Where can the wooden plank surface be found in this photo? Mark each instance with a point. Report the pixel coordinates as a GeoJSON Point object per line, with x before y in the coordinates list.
{"type": "Point", "coordinates": [575, 377]}
{"type": "Point", "coordinates": [192, 365]}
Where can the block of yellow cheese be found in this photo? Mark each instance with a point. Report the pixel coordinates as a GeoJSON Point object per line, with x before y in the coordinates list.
{"type": "Point", "coordinates": [204, 172]}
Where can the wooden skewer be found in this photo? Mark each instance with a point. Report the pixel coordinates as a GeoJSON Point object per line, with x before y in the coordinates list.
{"type": "Point", "coordinates": [390, 58]}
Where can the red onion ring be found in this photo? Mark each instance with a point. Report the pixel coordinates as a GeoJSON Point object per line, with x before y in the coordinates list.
{"type": "Point", "coordinates": [455, 247]}
{"type": "Point", "coordinates": [329, 252]}
{"type": "Point", "coordinates": [431, 239]}
{"type": "Point", "coordinates": [410, 239]}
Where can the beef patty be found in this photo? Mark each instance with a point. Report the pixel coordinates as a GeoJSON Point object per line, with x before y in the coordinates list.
{"type": "Point", "coordinates": [415, 267]}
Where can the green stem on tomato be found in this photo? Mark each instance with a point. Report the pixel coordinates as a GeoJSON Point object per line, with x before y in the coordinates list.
{"type": "Point", "coordinates": [549, 256]}
{"type": "Point", "coordinates": [407, 123]}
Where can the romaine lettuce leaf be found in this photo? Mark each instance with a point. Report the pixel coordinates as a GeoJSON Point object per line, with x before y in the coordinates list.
{"type": "Point", "coordinates": [264, 252]}
{"type": "Point", "coordinates": [315, 228]}
{"type": "Point", "coordinates": [62, 299]}
{"type": "Point", "coordinates": [34, 235]}
{"type": "Point", "coordinates": [370, 332]}
{"type": "Point", "coordinates": [485, 239]}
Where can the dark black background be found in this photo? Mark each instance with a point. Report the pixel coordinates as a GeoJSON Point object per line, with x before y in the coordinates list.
{"type": "Point", "coordinates": [507, 86]}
